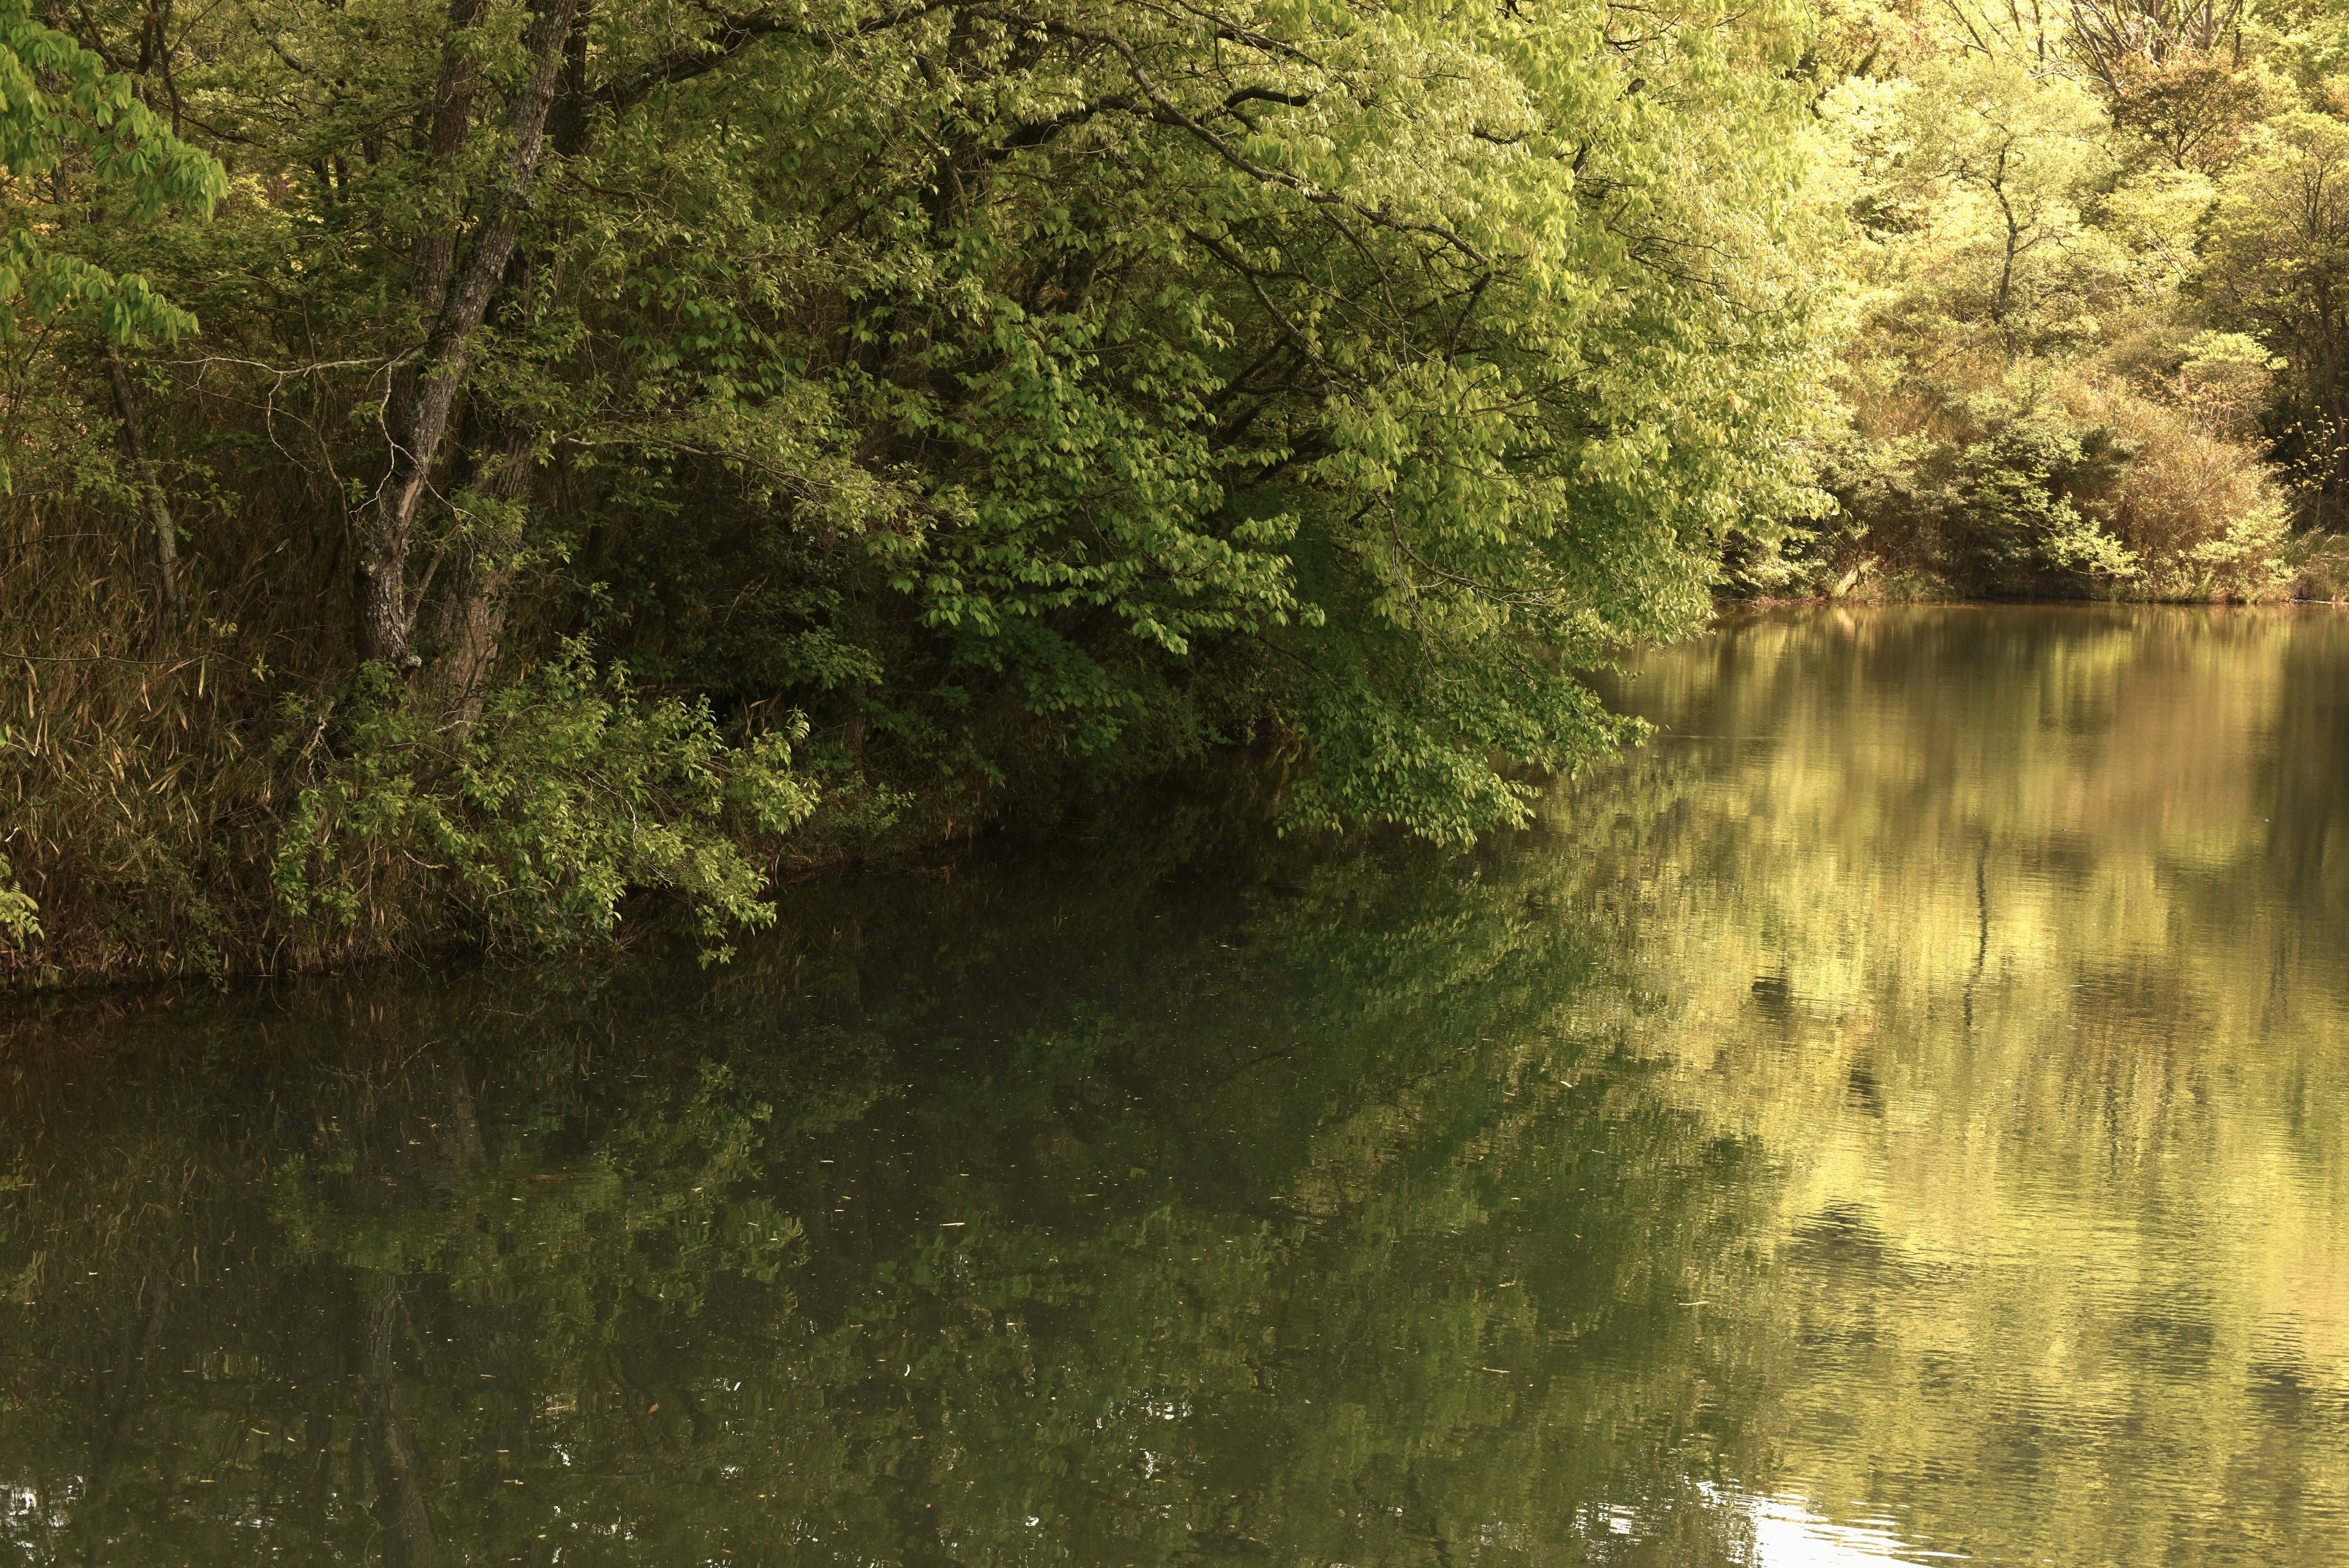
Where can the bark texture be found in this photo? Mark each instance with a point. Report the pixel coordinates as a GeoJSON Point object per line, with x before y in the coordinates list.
{"type": "Point", "coordinates": [424, 389]}
{"type": "Point", "coordinates": [477, 616]}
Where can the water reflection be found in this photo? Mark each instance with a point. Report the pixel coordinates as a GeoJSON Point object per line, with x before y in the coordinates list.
{"type": "Point", "coordinates": [1899, 1115]}
{"type": "Point", "coordinates": [2017, 933]}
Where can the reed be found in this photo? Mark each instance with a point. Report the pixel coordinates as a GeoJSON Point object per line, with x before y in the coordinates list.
{"type": "Point", "coordinates": [141, 768]}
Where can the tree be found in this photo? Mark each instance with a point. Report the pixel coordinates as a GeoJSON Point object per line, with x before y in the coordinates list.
{"type": "Point", "coordinates": [1031, 396]}
{"type": "Point", "coordinates": [2007, 159]}
{"type": "Point", "coordinates": [74, 140]}
{"type": "Point", "coordinates": [2278, 250]}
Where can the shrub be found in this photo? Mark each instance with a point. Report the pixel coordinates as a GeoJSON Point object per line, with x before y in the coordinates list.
{"type": "Point", "coordinates": [19, 916]}
{"type": "Point", "coordinates": [1985, 493]}
{"type": "Point", "coordinates": [2072, 487]}
{"type": "Point", "coordinates": [2202, 513]}
{"type": "Point", "coordinates": [529, 827]}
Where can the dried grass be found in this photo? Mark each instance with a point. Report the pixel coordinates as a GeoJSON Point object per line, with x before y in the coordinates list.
{"type": "Point", "coordinates": [140, 769]}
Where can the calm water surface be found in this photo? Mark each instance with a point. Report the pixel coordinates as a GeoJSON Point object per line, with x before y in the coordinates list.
{"type": "Point", "coordinates": [1900, 1113]}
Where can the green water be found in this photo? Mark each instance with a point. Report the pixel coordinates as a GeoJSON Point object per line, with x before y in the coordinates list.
{"type": "Point", "coordinates": [1900, 1113]}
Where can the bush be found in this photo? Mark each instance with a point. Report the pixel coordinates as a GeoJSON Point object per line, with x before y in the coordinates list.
{"type": "Point", "coordinates": [527, 829]}
{"type": "Point", "coordinates": [2202, 513]}
{"type": "Point", "coordinates": [2072, 488]}
{"type": "Point", "coordinates": [2319, 564]}
{"type": "Point", "coordinates": [19, 916]}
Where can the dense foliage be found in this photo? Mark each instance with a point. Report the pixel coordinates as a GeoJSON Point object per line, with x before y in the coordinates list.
{"type": "Point", "coordinates": [472, 464]}
{"type": "Point", "coordinates": [987, 400]}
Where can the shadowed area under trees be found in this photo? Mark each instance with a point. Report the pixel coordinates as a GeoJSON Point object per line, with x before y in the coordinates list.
{"type": "Point", "coordinates": [474, 466]}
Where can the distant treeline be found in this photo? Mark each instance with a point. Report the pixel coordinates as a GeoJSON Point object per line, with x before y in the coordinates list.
{"type": "Point", "coordinates": [470, 465]}
{"type": "Point", "coordinates": [2098, 272]}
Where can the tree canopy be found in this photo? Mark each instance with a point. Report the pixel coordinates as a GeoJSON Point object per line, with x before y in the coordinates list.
{"type": "Point", "coordinates": [474, 464]}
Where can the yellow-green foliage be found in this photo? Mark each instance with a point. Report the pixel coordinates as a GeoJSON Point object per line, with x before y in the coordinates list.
{"type": "Point", "coordinates": [19, 916]}
{"type": "Point", "coordinates": [2089, 305]}
{"type": "Point", "coordinates": [2200, 517]}
{"type": "Point", "coordinates": [1035, 396]}
{"type": "Point", "coordinates": [61, 108]}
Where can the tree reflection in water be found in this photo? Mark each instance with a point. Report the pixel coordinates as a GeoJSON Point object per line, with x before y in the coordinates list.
{"type": "Point", "coordinates": [1909, 1109]}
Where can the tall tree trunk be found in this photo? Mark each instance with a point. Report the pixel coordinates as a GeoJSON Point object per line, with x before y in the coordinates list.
{"type": "Point", "coordinates": [142, 475]}
{"type": "Point", "coordinates": [424, 390]}
{"type": "Point", "coordinates": [477, 617]}
{"type": "Point", "coordinates": [452, 123]}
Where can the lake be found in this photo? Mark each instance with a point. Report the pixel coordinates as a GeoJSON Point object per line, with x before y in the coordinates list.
{"type": "Point", "coordinates": [1900, 1113]}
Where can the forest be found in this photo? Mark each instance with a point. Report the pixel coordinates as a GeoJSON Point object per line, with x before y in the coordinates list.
{"type": "Point", "coordinates": [475, 471]}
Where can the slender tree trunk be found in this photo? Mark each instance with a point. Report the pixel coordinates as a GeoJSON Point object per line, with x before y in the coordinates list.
{"type": "Point", "coordinates": [159, 510]}
{"type": "Point", "coordinates": [477, 619]}
{"type": "Point", "coordinates": [424, 392]}
{"type": "Point", "coordinates": [452, 122]}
